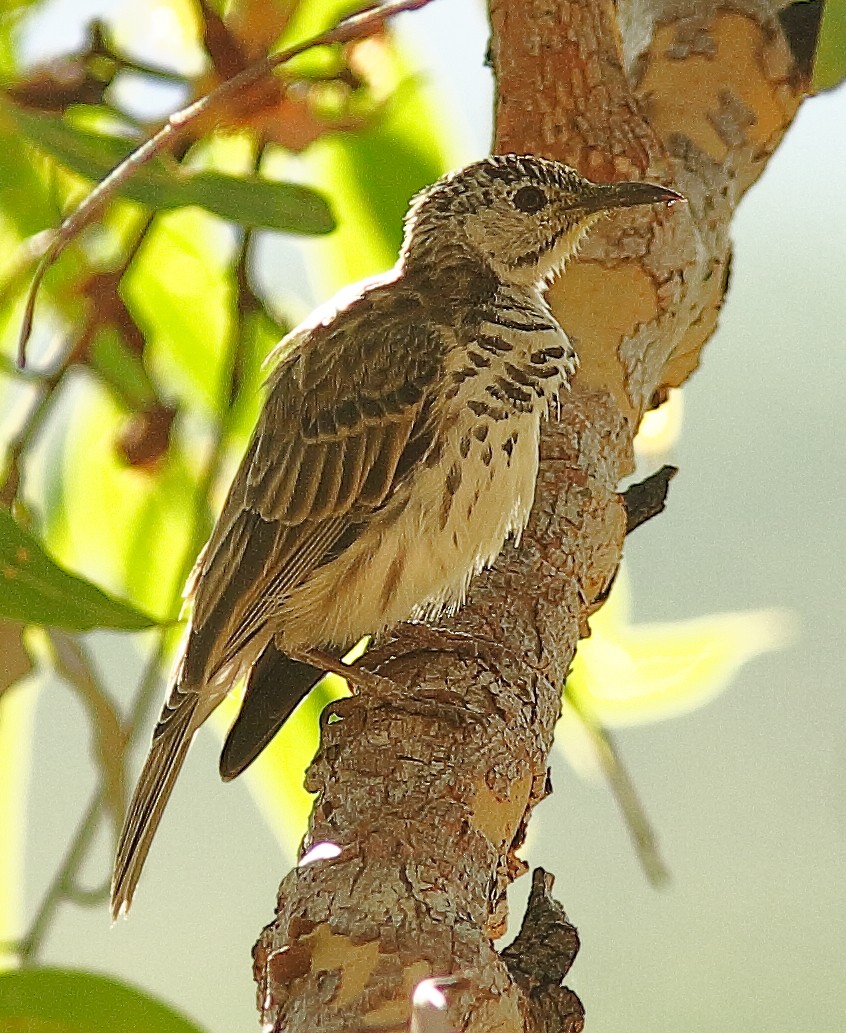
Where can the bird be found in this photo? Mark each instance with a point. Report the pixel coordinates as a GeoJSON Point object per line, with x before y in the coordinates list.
{"type": "Point", "coordinates": [395, 453]}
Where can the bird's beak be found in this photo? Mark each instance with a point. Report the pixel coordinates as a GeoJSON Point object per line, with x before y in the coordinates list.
{"type": "Point", "coordinates": [627, 195]}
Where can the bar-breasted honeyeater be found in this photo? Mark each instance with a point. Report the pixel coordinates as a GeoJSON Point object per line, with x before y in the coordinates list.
{"type": "Point", "coordinates": [396, 451]}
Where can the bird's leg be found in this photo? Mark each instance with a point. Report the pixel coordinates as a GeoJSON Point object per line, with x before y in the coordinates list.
{"type": "Point", "coordinates": [361, 679]}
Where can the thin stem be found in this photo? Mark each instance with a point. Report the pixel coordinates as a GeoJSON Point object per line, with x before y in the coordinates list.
{"type": "Point", "coordinates": [17, 446]}
{"type": "Point", "coordinates": [88, 896]}
{"type": "Point", "coordinates": [8, 368]}
{"type": "Point", "coordinates": [76, 854]}
{"type": "Point", "coordinates": [623, 789]}
{"type": "Point", "coordinates": [48, 384]}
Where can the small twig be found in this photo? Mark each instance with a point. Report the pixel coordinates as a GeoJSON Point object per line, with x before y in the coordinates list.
{"type": "Point", "coordinates": [624, 792]}
{"type": "Point", "coordinates": [64, 885]}
{"type": "Point", "coordinates": [17, 445]}
{"type": "Point", "coordinates": [647, 498]}
{"type": "Point", "coordinates": [540, 957]}
{"type": "Point", "coordinates": [48, 384]}
{"type": "Point", "coordinates": [544, 950]}
{"type": "Point", "coordinates": [73, 665]}
{"type": "Point", "coordinates": [31, 943]}
{"type": "Point", "coordinates": [357, 26]}
{"type": "Point", "coordinates": [246, 301]}
{"type": "Point", "coordinates": [101, 46]}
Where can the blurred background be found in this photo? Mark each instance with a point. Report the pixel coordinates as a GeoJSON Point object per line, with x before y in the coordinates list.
{"type": "Point", "coordinates": [746, 791]}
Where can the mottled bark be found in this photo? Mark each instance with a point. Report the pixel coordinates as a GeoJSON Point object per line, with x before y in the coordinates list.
{"type": "Point", "coordinates": [427, 789]}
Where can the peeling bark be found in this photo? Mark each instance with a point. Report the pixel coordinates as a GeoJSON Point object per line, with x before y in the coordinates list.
{"type": "Point", "coordinates": [427, 788]}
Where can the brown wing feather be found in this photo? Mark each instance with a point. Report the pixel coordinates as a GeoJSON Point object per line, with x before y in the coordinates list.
{"type": "Point", "coordinates": [323, 455]}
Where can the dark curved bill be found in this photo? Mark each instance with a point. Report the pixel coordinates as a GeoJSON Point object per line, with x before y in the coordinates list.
{"type": "Point", "coordinates": [627, 195]}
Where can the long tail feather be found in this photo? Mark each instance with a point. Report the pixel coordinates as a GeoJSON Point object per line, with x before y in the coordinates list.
{"type": "Point", "coordinates": [170, 745]}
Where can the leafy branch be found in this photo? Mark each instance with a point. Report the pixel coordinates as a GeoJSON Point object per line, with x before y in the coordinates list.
{"type": "Point", "coordinates": [357, 26]}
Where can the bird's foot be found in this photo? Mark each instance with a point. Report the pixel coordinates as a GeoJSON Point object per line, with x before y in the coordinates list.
{"type": "Point", "coordinates": [447, 640]}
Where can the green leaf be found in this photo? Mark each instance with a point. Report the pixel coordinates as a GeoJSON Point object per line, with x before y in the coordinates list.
{"type": "Point", "coordinates": [179, 291]}
{"type": "Point", "coordinates": [44, 1000]}
{"type": "Point", "coordinates": [36, 590]}
{"type": "Point", "coordinates": [25, 199]}
{"type": "Point", "coordinates": [130, 528]}
{"type": "Point", "coordinates": [830, 62]}
{"type": "Point", "coordinates": [251, 201]}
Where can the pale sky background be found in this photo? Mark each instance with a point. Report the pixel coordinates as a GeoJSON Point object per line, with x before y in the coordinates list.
{"type": "Point", "coordinates": [748, 794]}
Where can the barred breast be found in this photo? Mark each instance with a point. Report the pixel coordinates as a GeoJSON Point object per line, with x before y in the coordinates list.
{"type": "Point", "coordinates": [475, 490]}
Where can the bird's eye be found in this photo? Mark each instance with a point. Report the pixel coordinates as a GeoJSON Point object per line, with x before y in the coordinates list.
{"type": "Point", "coordinates": [529, 199]}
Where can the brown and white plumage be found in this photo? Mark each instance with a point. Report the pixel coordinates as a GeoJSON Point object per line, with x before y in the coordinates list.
{"type": "Point", "coordinates": [395, 453]}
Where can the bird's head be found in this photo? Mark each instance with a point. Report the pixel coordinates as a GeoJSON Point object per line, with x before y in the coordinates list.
{"type": "Point", "coordinates": [524, 216]}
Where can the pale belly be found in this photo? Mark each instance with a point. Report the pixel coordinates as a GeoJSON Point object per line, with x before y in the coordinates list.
{"type": "Point", "coordinates": [419, 555]}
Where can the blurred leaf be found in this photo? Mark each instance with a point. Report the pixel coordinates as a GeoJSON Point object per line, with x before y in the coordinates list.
{"type": "Point", "coordinates": [251, 201]}
{"type": "Point", "coordinates": [36, 590]}
{"type": "Point", "coordinates": [46, 1000]}
{"type": "Point", "coordinates": [17, 708]}
{"type": "Point", "coordinates": [630, 674]}
{"type": "Point", "coordinates": [25, 200]}
{"type": "Point", "coordinates": [660, 429]}
{"type": "Point", "coordinates": [128, 528]}
{"type": "Point", "coordinates": [275, 779]}
{"type": "Point", "coordinates": [179, 290]}
{"type": "Point", "coordinates": [10, 12]}
{"type": "Point", "coordinates": [121, 368]}
{"type": "Point", "coordinates": [830, 63]}
{"type": "Point", "coordinates": [373, 174]}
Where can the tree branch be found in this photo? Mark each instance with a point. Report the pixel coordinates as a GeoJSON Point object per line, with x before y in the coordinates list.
{"type": "Point", "coordinates": [428, 788]}
{"type": "Point", "coordinates": [648, 497]}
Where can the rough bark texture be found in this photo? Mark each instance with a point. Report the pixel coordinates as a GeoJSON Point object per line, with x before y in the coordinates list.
{"type": "Point", "coordinates": [427, 789]}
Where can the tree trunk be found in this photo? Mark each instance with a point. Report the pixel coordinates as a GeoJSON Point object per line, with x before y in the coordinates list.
{"type": "Point", "coordinates": [427, 789]}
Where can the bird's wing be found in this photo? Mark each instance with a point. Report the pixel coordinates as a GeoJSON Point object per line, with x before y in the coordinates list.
{"type": "Point", "coordinates": [348, 413]}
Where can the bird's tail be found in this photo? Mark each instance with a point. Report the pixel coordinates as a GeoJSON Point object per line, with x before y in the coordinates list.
{"type": "Point", "coordinates": [275, 687]}
{"type": "Point", "coordinates": [171, 740]}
